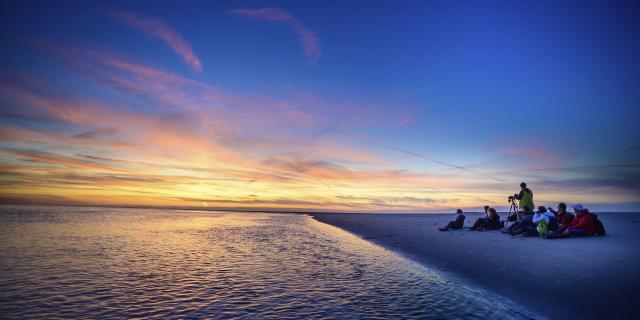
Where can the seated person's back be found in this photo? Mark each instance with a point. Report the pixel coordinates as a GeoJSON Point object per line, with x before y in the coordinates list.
{"type": "Point", "coordinates": [493, 222]}
{"type": "Point", "coordinates": [458, 223]}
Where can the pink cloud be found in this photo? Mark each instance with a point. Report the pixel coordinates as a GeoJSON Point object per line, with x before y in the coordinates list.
{"type": "Point", "coordinates": [194, 139]}
{"type": "Point", "coordinates": [310, 43]}
{"type": "Point", "coordinates": [158, 29]}
{"type": "Point", "coordinates": [218, 111]}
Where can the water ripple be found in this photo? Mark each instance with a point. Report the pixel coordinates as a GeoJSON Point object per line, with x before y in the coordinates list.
{"type": "Point", "coordinates": [159, 264]}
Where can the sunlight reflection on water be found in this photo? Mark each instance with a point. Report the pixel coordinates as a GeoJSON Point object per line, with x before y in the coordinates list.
{"type": "Point", "coordinates": [134, 263]}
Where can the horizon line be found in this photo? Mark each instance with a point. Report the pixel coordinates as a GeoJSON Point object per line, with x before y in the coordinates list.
{"type": "Point", "coordinates": [250, 210]}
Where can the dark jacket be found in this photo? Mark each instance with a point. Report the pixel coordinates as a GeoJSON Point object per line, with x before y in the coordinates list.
{"type": "Point", "coordinates": [460, 220]}
{"type": "Point", "coordinates": [493, 222]}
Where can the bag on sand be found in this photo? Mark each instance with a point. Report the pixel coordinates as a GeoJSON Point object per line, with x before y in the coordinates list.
{"type": "Point", "coordinates": [599, 227]}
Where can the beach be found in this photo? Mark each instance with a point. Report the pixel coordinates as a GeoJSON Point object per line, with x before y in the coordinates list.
{"type": "Point", "coordinates": [576, 278]}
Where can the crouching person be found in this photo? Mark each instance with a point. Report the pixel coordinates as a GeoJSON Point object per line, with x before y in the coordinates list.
{"type": "Point", "coordinates": [545, 221]}
{"type": "Point", "coordinates": [582, 225]}
{"type": "Point", "coordinates": [456, 224]}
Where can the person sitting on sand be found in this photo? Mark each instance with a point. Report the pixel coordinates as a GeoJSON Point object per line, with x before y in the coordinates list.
{"type": "Point", "coordinates": [494, 220]}
{"type": "Point", "coordinates": [545, 222]}
{"type": "Point", "coordinates": [525, 220]}
{"type": "Point", "coordinates": [564, 217]}
{"type": "Point", "coordinates": [481, 219]}
{"type": "Point", "coordinates": [528, 225]}
{"type": "Point", "coordinates": [582, 225]}
{"type": "Point", "coordinates": [525, 196]}
{"type": "Point", "coordinates": [456, 224]}
{"type": "Point", "coordinates": [491, 222]}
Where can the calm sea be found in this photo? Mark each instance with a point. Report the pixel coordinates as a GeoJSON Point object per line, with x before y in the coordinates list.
{"type": "Point", "coordinates": [69, 262]}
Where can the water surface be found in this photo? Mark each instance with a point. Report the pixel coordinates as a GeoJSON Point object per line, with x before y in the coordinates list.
{"type": "Point", "coordinates": [63, 262]}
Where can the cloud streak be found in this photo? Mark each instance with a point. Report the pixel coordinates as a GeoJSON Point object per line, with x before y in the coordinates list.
{"type": "Point", "coordinates": [310, 43]}
{"type": "Point", "coordinates": [450, 165]}
{"type": "Point", "coordinates": [158, 29]}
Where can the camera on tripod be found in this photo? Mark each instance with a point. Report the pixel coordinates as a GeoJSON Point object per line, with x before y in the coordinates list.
{"type": "Point", "coordinates": [511, 198]}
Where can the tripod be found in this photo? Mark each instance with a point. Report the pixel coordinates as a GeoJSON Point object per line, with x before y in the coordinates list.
{"type": "Point", "coordinates": [512, 210]}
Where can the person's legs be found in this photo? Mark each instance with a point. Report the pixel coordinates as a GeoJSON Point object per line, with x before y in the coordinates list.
{"type": "Point", "coordinates": [485, 223]}
{"type": "Point", "coordinates": [513, 226]}
{"type": "Point", "coordinates": [530, 231]}
{"type": "Point", "coordinates": [550, 231]}
{"type": "Point", "coordinates": [518, 230]}
{"type": "Point", "coordinates": [577, 232]}
{"type": "Point", "coordinates": [451, 225]}
{"type": "Point", "coordinates": [480, 223]}
{"type": "Point", "coordinates": [494, 224]}
{"type": "Point", "coordinates": [558, 233]}
{"type": "Point", "coordinates": [520, 227]}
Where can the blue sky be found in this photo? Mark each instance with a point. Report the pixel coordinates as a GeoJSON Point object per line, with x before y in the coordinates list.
{"type": "Point", "coordinates": [343, 95]}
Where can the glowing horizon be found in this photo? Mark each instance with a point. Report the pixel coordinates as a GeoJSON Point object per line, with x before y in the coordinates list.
{"type": "Point", "coordinates": [271, 108]}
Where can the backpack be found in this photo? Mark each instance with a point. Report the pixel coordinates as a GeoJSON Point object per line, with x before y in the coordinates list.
{"type": "Point", "coordinates": [542, 227]}
{"type": "Point", "coordinates": [598, 226]}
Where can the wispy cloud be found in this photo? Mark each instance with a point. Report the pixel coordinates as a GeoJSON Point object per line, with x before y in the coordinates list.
{"type": "Point", "coordinates": [155, 137]}
{"type": "Point", "coordinates": [190, 139]}
{"type": "Point", "coordinates": [159, 29]}
{"type": "Point", "coordinates": [310, 43]}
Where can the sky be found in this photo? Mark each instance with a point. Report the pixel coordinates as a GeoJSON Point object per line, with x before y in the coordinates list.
{"type": "Point", "coordinates": [388, 106]}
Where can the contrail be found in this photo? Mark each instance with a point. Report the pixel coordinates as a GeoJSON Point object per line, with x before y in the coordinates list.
{"type": "Point", "coordinates": [421, 156]}
{"type": "Point", "coordinates": [604, 166]}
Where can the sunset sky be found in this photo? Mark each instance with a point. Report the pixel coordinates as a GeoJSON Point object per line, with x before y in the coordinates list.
{"type": "Point", "coordinates": [385, 106]}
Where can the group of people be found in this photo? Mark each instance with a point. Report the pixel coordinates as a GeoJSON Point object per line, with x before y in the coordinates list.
{"type": "Point", "coordinates": [545, 222]}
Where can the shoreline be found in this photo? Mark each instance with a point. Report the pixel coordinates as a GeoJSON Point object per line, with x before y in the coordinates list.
{"type": "Point", "coordinates": [503, 302]}
{"type": "Point", "coordinates": [576, 278]}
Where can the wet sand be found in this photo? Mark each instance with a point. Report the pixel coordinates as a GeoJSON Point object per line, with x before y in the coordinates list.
{"type": "Point", "coordinates": [576, 278]}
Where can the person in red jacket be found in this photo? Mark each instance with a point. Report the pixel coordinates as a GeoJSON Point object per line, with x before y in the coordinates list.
{"type": "Point", "coordinates": [564, 218]}
{"type": "Point", "coordinates": [581, 226]}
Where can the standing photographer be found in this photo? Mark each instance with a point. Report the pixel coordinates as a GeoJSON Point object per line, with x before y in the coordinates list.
{"type": "Point", "coordinates": [525, 196]}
